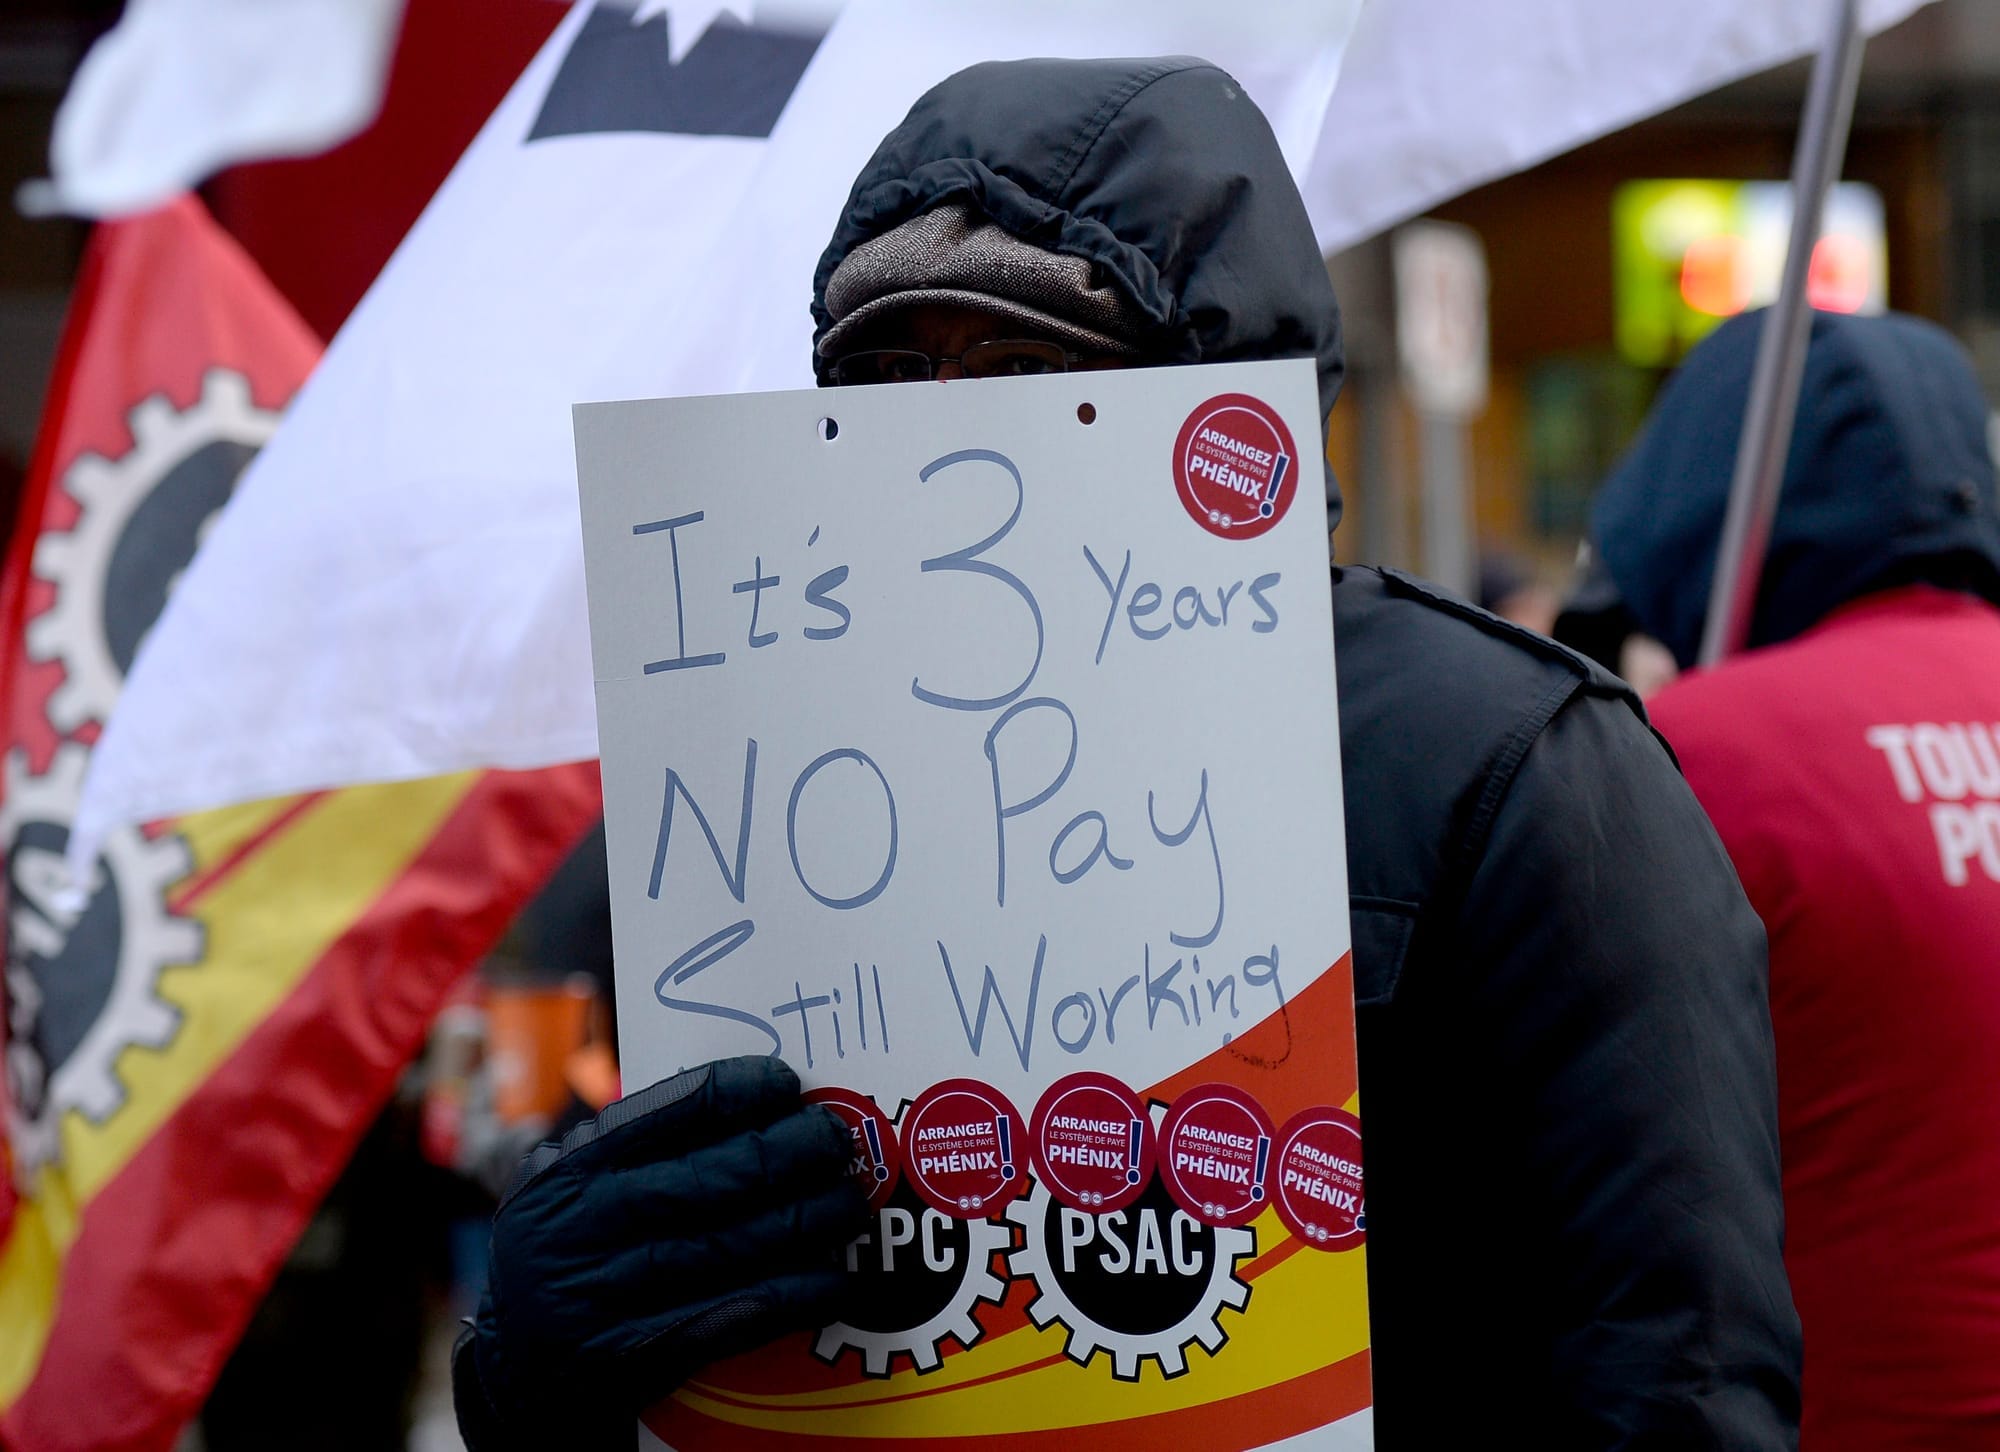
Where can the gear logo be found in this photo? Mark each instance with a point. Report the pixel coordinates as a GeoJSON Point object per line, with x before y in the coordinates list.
{"type": "Point", "coordinates": [82, 981]}
{"type": "Point", "coordinates": [923, 1272]}
{"type": "Point", "coordinates": [1143, 1283]}
{"type": "Point", "coordinates": [143, 514]}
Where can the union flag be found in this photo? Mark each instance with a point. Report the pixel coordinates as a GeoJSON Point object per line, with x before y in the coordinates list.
{"type": "Point", "coordinates": [196, 1037]}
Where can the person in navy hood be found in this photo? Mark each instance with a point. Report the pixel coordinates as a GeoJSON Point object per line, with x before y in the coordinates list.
{"type": "Point", "coordinates": [1889, 480]}
{"type": "Point", "coordinates": [1850, 758]}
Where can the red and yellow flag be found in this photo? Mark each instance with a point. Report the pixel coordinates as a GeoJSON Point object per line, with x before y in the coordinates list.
{"type": "Point", "coordinates": [193, 1050]}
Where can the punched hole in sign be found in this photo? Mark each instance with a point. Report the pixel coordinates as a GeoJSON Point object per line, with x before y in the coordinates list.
{"type": "Point", "coordinates": [1086, 413]}
{"type": "Point", "coordinates": [829, 429]}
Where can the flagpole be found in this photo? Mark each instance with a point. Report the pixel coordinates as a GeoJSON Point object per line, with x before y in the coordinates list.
{"type": "Point", "coordinates": [1781, 350]}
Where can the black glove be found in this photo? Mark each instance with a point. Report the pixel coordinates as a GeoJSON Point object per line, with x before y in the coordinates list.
{"type": "Point", "coordinates": [688, 1222]}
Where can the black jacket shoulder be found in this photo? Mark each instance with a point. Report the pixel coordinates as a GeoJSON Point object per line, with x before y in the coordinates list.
{"type": "Point", "coordinates": [1437, 692]}
{"type": "Point", "coordinates": [1564, 1046]}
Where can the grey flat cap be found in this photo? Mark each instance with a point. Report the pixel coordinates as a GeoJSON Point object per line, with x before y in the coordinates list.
{"type": "Point", "coordinates": [952, 255]}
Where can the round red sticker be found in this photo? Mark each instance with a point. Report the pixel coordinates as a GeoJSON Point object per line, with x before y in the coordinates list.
{"type": "Point", "coordinates": [1215, 1154]}
{"type": "Point", "coordinates": [1319, 1179]}
{"type": "Point", "coordinates": [963, 1148]}
{"type": "Point", "coordinates": [1235, 466]}
{"type": "Point", "coordinates": [878, 1158]}
{"type": "Point", "coordinates": [1092, 1143]}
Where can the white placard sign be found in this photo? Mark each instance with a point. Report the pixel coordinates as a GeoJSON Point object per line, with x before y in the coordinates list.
{"type": "Point", "coordinates": [973, 747]}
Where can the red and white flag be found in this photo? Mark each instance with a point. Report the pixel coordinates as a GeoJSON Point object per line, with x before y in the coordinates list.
{"type": "Point", "coordinates": [193, 1049]}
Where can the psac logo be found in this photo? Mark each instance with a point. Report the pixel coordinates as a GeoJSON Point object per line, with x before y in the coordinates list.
{"type": "Point", "coordinates": [1142, 1283]}
{"type": "Point", "coordinates": [82, 971]}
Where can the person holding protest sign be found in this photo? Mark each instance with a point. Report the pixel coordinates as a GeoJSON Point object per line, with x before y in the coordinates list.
{"type": "Point", "coordinates": [1566, 1064]}
{"type": "Point", "coordinates": [1848, 759]}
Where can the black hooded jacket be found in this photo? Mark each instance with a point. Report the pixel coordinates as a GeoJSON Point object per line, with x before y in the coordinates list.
{"type": "Point", "coordinates": [1566, 1065]}
{"type": "Point", "coordinates": [1888, 481]}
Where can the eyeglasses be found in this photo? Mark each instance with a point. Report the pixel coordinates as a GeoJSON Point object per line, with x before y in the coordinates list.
{"type": "Point", "coordinates": [999, 358]}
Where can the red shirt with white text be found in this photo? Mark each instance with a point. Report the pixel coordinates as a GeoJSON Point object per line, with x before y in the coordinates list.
{"type": "Point", "coordinates": [1854, 775]}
